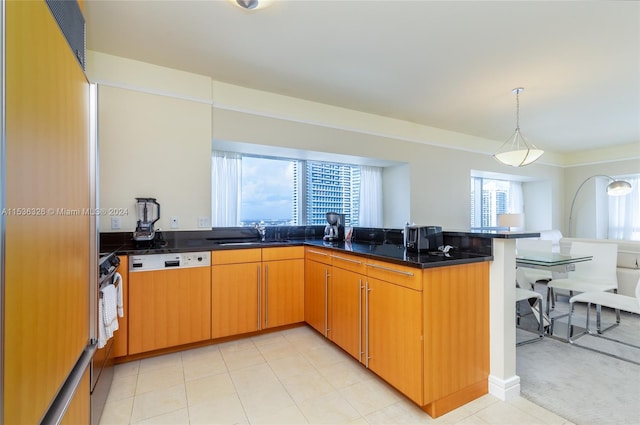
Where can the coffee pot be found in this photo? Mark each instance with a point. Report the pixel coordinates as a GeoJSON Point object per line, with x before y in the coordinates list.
{"type": "Point", "coordinates": [334, 230]}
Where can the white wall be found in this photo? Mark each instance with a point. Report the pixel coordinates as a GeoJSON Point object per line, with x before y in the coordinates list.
{"type": "Point", "coordinates": [538, 205]}
{"type": "Point", "coordinates": [157, 125]}
{"type": "Point", "coordinates": [154, 146]}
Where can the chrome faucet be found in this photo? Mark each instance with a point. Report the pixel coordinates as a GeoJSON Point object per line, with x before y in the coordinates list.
{"type": "Point", "coordinates": [262, 230]}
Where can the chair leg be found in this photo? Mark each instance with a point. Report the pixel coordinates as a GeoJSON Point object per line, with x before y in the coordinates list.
{"type": "Point", "coordinates": [540, 317]}
{"type": "Point", "coordinates": [569, 325]}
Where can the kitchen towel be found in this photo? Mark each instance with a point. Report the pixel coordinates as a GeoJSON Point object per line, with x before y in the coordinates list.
{"type": "Point", "coordinates": [117, 282]}
{"type": "Point", "coordinates": [109, 315]}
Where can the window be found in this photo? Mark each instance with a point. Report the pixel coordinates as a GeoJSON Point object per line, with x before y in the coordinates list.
{"type": "Point", "coordinates": [284, 191]}
{"type": "Point", "coordinates": [624, 212]}
{"type": "Point", "coordinates": [490, 197]}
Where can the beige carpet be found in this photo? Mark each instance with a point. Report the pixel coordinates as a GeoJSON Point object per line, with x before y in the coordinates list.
{"type": "Point", "coordinates": [580, 385]}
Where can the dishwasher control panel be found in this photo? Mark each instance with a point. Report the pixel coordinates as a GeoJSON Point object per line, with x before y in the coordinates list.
{"type": "Point", "coordinates": [148, 262]}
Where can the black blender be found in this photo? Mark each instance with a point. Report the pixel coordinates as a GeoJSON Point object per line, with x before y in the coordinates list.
{"type": "Point", "coordinates": [148, 211]}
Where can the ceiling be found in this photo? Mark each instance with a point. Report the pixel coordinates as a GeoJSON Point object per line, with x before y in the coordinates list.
{"type": "Point", "coordinates": [445, 64]}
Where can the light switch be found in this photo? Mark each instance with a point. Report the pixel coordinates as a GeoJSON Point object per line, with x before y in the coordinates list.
{"type": "Point", "coordinates": [115, 223]}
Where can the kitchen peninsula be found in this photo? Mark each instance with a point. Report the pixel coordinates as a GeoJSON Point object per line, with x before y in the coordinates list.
{"type": "Point", "coordinates": [420, 321]}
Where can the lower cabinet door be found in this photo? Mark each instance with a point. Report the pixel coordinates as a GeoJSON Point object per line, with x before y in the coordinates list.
{"type": "Point", "coordinates": [395, 336]}
{"type": "Point", "coordinates": [235, 294]}
{"type": "Point", "coordinates": [316, 278]}
{"type": "Point", "coordinates": [283, 294]}
{"type": "Point", "coordinates": [346, 310]}
{"type": "Point", "coordinates": [169, 308]}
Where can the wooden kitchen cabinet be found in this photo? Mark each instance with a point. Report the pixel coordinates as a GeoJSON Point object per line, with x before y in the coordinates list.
{"type": "Point", "coordinates": [121, 336]}
{"type": "Point", "coordinates": [393, 335]}
{"type": "Point", "coordinates": [45, 255]}
{"type": "Point", "coordinates": [282, 286]}
{"type": "Point", "coordinates": [169, 308]}
{"type": "Point", "coordinates": [317, 270]}
{"type": "Point", "coordinates": [235, 292]}
{"type": "Point", "coordinates": [346, 310]}
{"type": "Point", "coordinates": [456, 336]}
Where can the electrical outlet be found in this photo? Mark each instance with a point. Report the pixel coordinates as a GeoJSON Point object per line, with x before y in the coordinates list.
{"type": "Point", "coordinates": [203, 222]}
{"type": "Point", "coordinates": [115, 223]}
{"type": "Point", "coordinates": [174, 222]}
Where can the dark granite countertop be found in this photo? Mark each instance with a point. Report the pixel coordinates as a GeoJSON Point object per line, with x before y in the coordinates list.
{"type": "Point", "coordinates": [469, 247]}
{"type": "Point", "coordinates": [397, 254]}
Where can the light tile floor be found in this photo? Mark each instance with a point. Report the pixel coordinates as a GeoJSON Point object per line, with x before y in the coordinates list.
{"type": "Point", "coordinates": [293, 376]}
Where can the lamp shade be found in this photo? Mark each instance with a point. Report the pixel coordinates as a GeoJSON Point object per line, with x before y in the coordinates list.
{"type": "Point", "coordinates": [510, 220]}
{"type": "Point", "coordinates": [619, 188]}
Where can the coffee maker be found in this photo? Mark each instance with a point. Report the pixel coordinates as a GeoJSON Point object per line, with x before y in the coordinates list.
{"type": "Point", "coordinates": [334, 230]}
{"type": "Point", "coordinates": [148, 211]}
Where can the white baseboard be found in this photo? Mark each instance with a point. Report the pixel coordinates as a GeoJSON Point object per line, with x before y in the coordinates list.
{"type": "Point", "coordinates": [505, 390]}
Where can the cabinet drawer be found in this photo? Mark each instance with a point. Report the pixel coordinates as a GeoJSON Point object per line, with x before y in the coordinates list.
{"type": "Point", "coordinates": [318, 254]}
{"type": "Point", "coordinates": [349, 262]}
{"type": "Point", "coordinates": [409, 277]}
{"type": "Point", "coordinates": [282, 253]}
{"type": "Point", "coordinates": [235, 256]}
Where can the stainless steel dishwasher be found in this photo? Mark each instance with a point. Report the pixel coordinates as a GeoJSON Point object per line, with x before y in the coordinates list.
{"type": "Point", "coordinates": [169, 300]}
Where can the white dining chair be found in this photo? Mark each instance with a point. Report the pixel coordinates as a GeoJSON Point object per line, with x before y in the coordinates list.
{"type": "Point", "coordinates": [604, 299]}
{"type": "Point", "coordinates": [536, 308]}
{"type": "Point", "coordinates": [596, 275]}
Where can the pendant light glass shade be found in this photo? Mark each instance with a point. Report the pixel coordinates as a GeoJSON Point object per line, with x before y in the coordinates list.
{"type": "Point", "coordinates": [247, 4]}
{"type": "Point", "coordinates": [517, 151]}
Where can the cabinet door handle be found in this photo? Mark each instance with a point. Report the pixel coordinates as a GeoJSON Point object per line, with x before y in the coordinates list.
{"type": "Point", "coordinates": [375, 266]}
{"type": "Point", "coordinates": [318, 252]}
{"type": "Point", "coordinates": [266, 296]}
{"type": "Point", "coordinates": [326, 303]}
{"type": "Point", "coordinates": [360, 288]}
{"type": "Point", "coordinates": [366, 324]}
{"type": "Point", "coordinates": [346, 259]}
{"type": "Point", "coordinates": [259, 307]}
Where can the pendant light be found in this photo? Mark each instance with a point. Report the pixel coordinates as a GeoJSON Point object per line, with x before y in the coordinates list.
{"type": "Point", "coordinates": [247, 4]}
{"type": "Point", "coordinates": [516, 151]}
{"type": "Point", "coordinates": [252, 4]}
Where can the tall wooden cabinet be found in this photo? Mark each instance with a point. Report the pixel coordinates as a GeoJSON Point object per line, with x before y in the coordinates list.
{"type": "Point", "coordinates": [46, 252]}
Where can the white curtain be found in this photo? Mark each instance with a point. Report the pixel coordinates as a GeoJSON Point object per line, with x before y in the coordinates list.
{"type": "Point", "coordinates": [226, 174]}
{"type": "Point", "coordinates": [370, 214]}
{"type": "Point", "coordinates": [624, 212]}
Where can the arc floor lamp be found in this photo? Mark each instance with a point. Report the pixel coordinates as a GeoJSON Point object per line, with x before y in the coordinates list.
{"type": "Point", "coordinates": [615, 188]}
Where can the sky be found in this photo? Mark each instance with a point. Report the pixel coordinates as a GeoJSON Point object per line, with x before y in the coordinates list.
{"type": "Point", "coordinates": [267, 186]}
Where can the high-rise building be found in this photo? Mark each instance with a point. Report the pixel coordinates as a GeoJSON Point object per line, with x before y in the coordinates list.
{"type": "Point", "coordinates": [330, 187]}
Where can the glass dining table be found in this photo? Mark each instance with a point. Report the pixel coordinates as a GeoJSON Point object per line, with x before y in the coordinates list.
{"type": "Point", "coordinates": [552, 261]}
{"type": "Point", "coordinates": [559, 264]}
